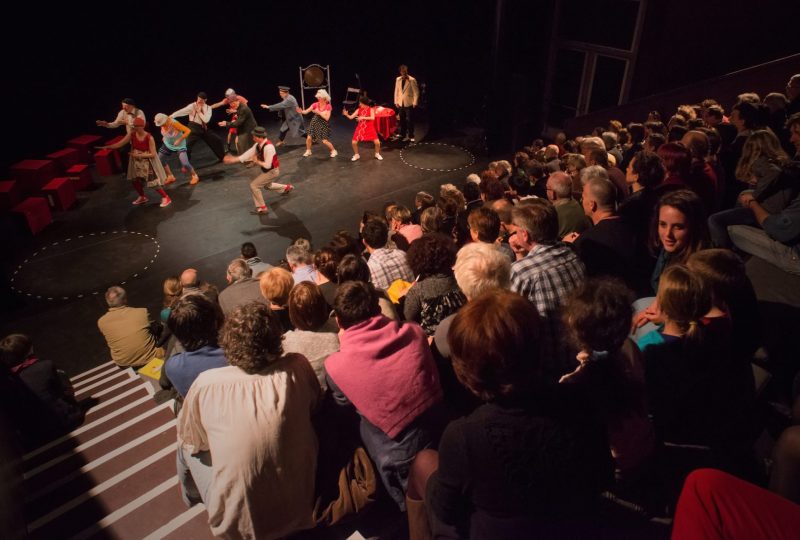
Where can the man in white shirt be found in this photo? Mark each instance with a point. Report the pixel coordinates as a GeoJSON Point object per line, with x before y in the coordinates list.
{"type": "Point", "coordinates": [127, 114]}
{"type": "Point", "coordinates": [262, 153]}
{"type": "Point", "coordinates": [406, 97]}
{"type": "Point", "coordinates": [199, 113]}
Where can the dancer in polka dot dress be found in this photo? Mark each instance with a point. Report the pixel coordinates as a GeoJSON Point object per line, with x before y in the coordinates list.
{"type": "Point", "coordinates": [320, 128]}
{"type": "Point", "coordinates": [365, 129]}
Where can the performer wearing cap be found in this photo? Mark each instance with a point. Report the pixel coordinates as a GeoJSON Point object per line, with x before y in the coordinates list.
{"type": "Point", "coordinates": [143, 165]}
{"type": "Point", "coordinates": [320, 128]}
{"type": "Point", "coordinates": [243, 122]}
{"type": "Point", "coordinates": [263, 154]}
{"type": "Point", "coordinates": [365, 129]}
{"type": "Point", "coordinates": [287, 111]}
{"type": "Point", "coordinates": [173, 141]}
{"type": "Point", "coordinates": [199, 113]}
{"type": "Point", "coordinates": [230, 97]}
{"type": "Point", "coordinates": [125, 117]}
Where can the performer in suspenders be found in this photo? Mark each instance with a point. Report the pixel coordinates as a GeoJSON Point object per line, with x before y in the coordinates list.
{"type": "Point", "coordinates": [263, 154]}
{"type": "Point", "coordinates": [199, 113]}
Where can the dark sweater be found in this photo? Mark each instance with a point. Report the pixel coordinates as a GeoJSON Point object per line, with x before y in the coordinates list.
{"type": "Point", "coordinates": [505, 472]}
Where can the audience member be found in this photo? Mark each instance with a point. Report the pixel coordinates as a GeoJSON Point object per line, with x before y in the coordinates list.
{"type": "Point", "coordinates": [545, 276]}
{"type": "Point", "coordinates": [299, 259]}
{"type": "Point", "coordinates": [275, 285]}
{"type": "Point", "coordinates": [385, 369]}
{"type": "Point", "coordinates": [251, 462]}
{"type": "Point", "coordinates": [385, 264]}
{"type": "Point", "coordinates": [405, 232]}
{"type": "Point", "coordinates": [571, 218]}
{"type": "Point", "coordinates": [326, 262]}
{"type": "Point", "coordinates": [241, 289]}
{"type": "Point", "coordinates": [172, 293]}
{"type": "Point", "coordinates": [315, 334]}
{"type": "Point", "coordinates": [195, 322]}
{"type": "Point", "coordinates": [494, 344]}
{"type": "Point", "coordinates": [127, 331]}
{"type": "Point", "coordinates": [352, 268]}
{"type": "Point", "coordinates": [434, 294]}
{"type": "Point", "coordinates": [250, 255]}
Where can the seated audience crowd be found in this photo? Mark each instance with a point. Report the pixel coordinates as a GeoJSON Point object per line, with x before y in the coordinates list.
{"type": "Point", "coordinates": [514, 354]}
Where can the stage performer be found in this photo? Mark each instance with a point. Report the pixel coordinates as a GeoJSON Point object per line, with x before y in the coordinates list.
{"type": "Point", "coordinates": [292, 122]}
{"type": "Point", "coordinates": [173, 141]}
{"type": "Point", "coordinates": [365, 129]}
{"type": "Point", "coordinates": [230, 97]}
{"type": "Point", "coordinates": [406, 97]}
{"type": "Point", "coordinates": [199, 113]}
{"type": "Point", "coordinates": [262, 153]}
{"type": "Point", "coordinates": [243, 122]}
{"type": "Point", "coordinates": [143, 165]}
{"type": "Point", "coordinates": [125, 117]}
{"type": "Point", "coordinates": [320, 128]}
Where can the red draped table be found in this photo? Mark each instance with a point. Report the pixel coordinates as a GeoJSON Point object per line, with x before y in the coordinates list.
{"type": "Point", "coordinates": [385, 122]}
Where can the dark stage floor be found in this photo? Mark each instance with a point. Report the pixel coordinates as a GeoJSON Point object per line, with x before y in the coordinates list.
{"type": "Point", "coordinates": [63, 272]}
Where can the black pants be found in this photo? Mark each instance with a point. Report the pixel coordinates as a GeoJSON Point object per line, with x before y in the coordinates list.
{"type": "Point", "coordinates": [199, 133]}
{"type": "Point", "coordinates": [406, 122]}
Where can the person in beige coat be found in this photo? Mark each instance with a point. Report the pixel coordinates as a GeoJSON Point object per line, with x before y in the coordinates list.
{"type": "Point", "coordinates": [127, 331]}
{"type": "Point", "coordinates": [406, 97]}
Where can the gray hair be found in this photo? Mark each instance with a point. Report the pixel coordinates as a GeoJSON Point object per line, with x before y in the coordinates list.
{"type": "Point", "coordinates": [480, 267]}
{"type": "Point", "coordinates": [561, 184]}
{"type": "Point", "coordinates": [610, 139]}
{"type": "Point", "coordinates": [593, 171]}
{"type": "Point", "coordinates": [604, 192]}
{"type": "Point", "coordinates": [239, 270]}
{"type": "Point", "coordinates": [592, 143]}
{"type": "Point", "coordinates": [116, 297]}
{"type": "Point", "coordinates": [296, 255]}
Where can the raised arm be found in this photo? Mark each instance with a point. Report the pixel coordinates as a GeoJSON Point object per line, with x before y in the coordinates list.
{"type": "Point", "coordinates": [118, 121]}
{"type": "Point", "coordinates": [122, 142]}
{"type": "Point", "coordinates": [285, 104]}
{"type": "Point", "coordinates": [183, 112]}
{"type": "Point", "coordinates": [219, 104]}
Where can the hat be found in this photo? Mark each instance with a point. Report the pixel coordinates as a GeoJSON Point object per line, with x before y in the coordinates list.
{"type": "Point", "coordinates": [129, 101]}
{"type": "Point", "coordinates": [161, 119]}
{"type": "Point", "coordinates": [259, 132]}
{"type": "Point", "coordinates": [138, 122]}
{"type": "Point", "coordinates": [322, 94]}
{"type": "Point", "coordinates": [284, 88]}
{"type": "Point", "coordinates": [230, 92]}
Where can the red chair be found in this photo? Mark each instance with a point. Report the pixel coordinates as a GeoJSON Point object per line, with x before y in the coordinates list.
{"type": "Point", "coordinates": [32, 174]}
{"type": "Point", "coordinates": [104, 160]}
{"type": "Point", "coordinates": [115, 152]}
{"type": "Point", "coordinates": [35, 212]}
{"type": "Point", "coordinates": [85, 146]}
{"type": "Point", "coordinates": [66, 158]}
{"type": "Point", "coordinates": [81, 176]}
{"type": "Point", "coordinates": [10, 194]}
{"type": "Point", "coordinates": [60, 193]}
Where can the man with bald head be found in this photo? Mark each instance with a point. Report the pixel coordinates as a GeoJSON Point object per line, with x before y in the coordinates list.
{"type": "Point", "coordinates": [127, 331]}
{"type": "Point", "coordinates": [571, 218]}
{"type": "Point", "coordinates": [190, 281]}
{"type": "Point", "coordinates": [608, 247]}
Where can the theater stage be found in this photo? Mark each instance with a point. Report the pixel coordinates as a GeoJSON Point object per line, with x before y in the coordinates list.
{"type": "Point", "coordinates": [58, 277]}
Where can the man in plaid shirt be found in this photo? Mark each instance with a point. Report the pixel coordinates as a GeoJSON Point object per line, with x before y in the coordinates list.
{"type": "Point", "coordinates": [385, 264]}
{"type": "Point", "coordinates": [545, 275]}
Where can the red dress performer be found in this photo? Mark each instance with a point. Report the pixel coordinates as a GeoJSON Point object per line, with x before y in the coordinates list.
{"type": "Point", "coordinates": [365, 129]}
{"type": "Point", "coordinates": [143, 165]}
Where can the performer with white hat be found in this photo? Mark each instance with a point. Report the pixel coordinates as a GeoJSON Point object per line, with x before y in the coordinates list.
{"type": "Point", "coordinates": [320, 127]}
{"type": "Point", "coordinates": [173, 141]}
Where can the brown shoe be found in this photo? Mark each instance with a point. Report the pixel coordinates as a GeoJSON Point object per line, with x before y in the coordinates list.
{"type": "Point", "coordinates": [195, 179]}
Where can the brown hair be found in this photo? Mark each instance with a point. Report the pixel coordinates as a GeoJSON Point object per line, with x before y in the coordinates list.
{"type": "Point", "coordinates": [251, 337]}
{"type": "Point", "coordinates": [684, 299]}
{"type": "Point", "coordinates": [486, 224]}
{"type": "Point", "coordinates": [14, 349]}
{"type": "Point", "coordinates": [494, 340]}
{"type": "Point", "coordinates": [722, 271]}
{"type": "Point", "coordinates": [326, 261]}
{"type": "Point", "coordinates": [307, 307]}
{"type": "Point", "coordinates": [598, 314]}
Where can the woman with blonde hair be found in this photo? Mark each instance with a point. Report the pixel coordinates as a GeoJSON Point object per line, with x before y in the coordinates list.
{"type": "Point", "coordinates": [320, 128]}
{"type": "Point", "coordinates": [760, 167]}
{"type": "Point", "coordinates": [173, 290]}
